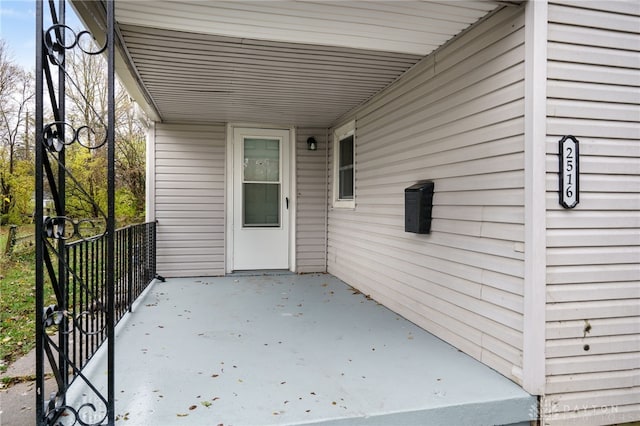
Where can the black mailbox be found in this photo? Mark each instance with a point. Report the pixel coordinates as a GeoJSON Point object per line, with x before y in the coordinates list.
{"type": "Point", "coordinates": [418, 203]}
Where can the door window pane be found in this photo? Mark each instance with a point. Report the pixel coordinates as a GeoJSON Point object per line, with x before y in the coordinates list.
{"type": "Point", "coordinates": [261, 205]}
{"type": "Point", "coordinates": [261, 183]}
{"type": "Point", "coordinates": [261, 160]}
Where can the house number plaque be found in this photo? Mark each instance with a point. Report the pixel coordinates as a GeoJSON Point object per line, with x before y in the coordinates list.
{"type": "Point", "coordinates": [569, 172]}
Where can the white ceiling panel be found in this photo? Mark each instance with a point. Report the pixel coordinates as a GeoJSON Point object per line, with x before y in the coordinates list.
{"type": "Point", "coordinates": [302, 63]}
{"type": "Point", "coordinates": [203, 78]}
{"type": "Point", "coordinates": [415, 27]}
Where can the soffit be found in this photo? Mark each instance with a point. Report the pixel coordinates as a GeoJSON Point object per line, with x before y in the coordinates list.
{"type": "Point", "coordinates": [286, 62]}
{"type": "Point", "coordinates": [204, 78]}
{"type": "Point", "coordinates": [415, 27]}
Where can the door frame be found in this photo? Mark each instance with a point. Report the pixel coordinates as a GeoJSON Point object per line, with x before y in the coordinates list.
{"type": "Point", "coordinates": [229, 190]}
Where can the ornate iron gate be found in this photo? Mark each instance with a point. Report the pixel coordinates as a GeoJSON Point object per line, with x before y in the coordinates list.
{"type": "Point", "coordinates": [91, 319]}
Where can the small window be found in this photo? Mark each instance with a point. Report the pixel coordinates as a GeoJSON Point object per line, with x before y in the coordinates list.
{"type": "Point", "coordinates": [344, 166]}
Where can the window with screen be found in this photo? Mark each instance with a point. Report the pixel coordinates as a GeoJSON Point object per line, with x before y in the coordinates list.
{"type": "Point", "coordinates": [344, 166]}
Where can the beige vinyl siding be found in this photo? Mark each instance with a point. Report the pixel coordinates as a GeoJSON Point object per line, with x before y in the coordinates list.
{"type": "Point", "coordinates": [593, 250]}
{"type": "Point", "coordinates": [311, 208]}
{"type": "Point", "coordinates": [457, 119]}
{"type": "Point", "coordinates": [189, 199]}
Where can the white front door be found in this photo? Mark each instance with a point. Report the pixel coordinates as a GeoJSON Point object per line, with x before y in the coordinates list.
{"type": "Point", "coordinates": [260, 199]}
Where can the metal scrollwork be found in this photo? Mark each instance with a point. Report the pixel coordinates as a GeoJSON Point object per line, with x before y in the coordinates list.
{"type": "Point", "coordinates": [55, 140]}
{"type": "Point", "coordinates": [64, 228]}
{"type": "Point", "coordinates": [53, 316]}
{"type": "Point", "coordinates": [59, 413]}
{"type": "Point", "coordinates": [73, 256]}
{"type": "Point", "coordinates": [55, 43]}
{"type": "Point", "coordinates": [91, 138]}
{"type": "Point", "coordinates": [55, 136]}
{"type": "Point", "coordinates": [77, 321]}
{"type": "Point", "coordinates": [55, 46]}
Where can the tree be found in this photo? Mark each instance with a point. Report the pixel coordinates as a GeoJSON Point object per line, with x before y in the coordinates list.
{"type": "Point", "coordinates": [130, 154]}
{"type": "Point", "coordinates": [85, 162]}
{"type": "Point", "coordinates": [16, 97]}
{"type": "Point", "coordinates": [87, 106]}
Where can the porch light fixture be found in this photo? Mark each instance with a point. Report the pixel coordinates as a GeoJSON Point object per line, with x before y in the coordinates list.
{"type": "Point", "coordinates": [312, 145]}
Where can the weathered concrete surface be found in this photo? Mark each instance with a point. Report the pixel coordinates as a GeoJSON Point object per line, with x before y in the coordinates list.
{"type": "Point", "coordinates": [282, 350]}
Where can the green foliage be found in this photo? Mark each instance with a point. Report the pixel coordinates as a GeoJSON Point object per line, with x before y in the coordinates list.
{"type": "Point", "coordinates": [18, 202]}
{"type": "Point", "coordinates": [130, 166]}
{"type": "Point", "coordinates": [126, 207]}
{"type": "Point", "coordinates": [16, 98]}
{"type": "Point", "coordinates": [86, 194]}
{"type": "Point", "coordinates": [86, 182]}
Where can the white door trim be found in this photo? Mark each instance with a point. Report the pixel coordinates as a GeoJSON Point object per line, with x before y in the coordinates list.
{"type": "Point", "coordinates": [229, 192]}
{"type": "Point", "coordinates": [293, 197]}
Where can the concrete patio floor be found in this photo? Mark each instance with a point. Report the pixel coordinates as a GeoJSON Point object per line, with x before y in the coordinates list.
{"type": "Point", "coordinates": [286, 349]}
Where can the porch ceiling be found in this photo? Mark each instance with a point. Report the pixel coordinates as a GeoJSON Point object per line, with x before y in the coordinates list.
{"type": "Point", "coordinates": [204, 78]}
{"type": "Point", "coordinates": [290, 62]}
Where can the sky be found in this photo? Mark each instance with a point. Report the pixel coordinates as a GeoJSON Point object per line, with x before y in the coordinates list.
{"type": "Point", "coordinates": [17, 28]}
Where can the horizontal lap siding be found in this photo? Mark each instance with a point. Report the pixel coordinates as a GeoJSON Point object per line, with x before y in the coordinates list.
{"type": "Point", "coordinates": [457, 119]}
{"type": "Point", "coordinates": [593, 250]}
{"type": "Point", "coordinates": [311, 186]}
{"type": "Point", "coordinates": [189, 199]}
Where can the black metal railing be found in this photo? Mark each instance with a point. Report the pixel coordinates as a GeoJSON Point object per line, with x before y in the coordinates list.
{"type": "Point", "coordinates": [134, 269]}
{"type": "Point", "coordinates": [135, 264]}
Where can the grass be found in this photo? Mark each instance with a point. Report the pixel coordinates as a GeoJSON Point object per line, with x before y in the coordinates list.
{"type": "Point", "coordinates": [17, 301]}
